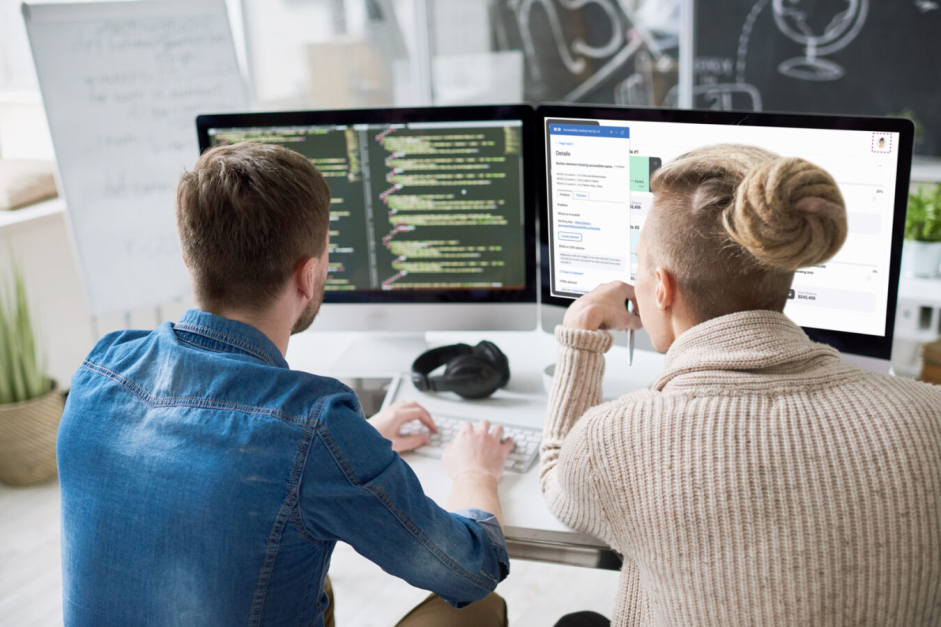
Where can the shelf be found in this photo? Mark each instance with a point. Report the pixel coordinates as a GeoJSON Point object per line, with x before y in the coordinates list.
{"type": "Point", "coordinates": [925, 292]}
{"type": "Point", "coordinates": [32, 212]}
{"type": "Point", "coordinates": [921, 337]}
{"type": "Point", "coordinates": [926, 170]}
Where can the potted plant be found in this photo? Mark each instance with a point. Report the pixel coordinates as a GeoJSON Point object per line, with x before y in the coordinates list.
{"type": "Point", "coordinates": [30, 402]}
{"type": "Point", "coordinates": [922, 250]}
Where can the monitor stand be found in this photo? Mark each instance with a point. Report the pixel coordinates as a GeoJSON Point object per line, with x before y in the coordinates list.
{"type": "Point", "coordinates": [380, 354]}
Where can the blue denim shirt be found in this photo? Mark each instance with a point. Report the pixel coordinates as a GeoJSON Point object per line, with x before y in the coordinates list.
{"type": "Point", "coordinates": [206, 483]}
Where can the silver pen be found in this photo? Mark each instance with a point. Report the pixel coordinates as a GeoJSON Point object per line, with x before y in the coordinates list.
{"type": "Point", "coordinates": [630, 338]}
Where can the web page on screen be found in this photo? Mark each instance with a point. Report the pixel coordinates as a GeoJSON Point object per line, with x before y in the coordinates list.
{"type": "Point", "coordinates": [848, 293]}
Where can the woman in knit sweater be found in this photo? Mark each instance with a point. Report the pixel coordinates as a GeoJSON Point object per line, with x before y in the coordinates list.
{"type": "Point", "coordinates": [762, 480]}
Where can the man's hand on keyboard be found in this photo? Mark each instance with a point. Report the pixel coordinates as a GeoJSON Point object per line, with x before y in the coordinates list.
{"type": "Point", "coordinates": [389, 421]}
{"type": "Point", "coordinates": [477, 449]}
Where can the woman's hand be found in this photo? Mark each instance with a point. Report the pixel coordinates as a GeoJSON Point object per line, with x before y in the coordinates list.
{"type": "Point", "coordinates": [605, 307]}
{"type": "Point", "coordinates": [390, 420]}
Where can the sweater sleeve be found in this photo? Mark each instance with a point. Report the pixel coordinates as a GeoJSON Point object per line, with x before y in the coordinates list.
{"type": "Point", "coordinates": [566, 473]}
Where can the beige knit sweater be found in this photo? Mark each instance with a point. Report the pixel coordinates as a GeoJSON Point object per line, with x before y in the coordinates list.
{"type": "Point", "coordinates": [761, 481]}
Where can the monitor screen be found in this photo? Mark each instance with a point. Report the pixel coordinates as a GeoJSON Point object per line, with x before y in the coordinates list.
{"type": "Point", "coordinates": [428, 205]}
{"type": "Point", "coordinates": [597, 194]}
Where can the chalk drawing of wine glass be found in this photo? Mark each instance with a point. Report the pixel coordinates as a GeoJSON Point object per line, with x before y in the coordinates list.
{"type": "Point", "coordinates": [793, 18]}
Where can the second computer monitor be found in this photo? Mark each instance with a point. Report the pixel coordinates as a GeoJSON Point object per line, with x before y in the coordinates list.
{"type": "Point", "coordinates": [432, 219]}
{"type": "Point", "coordinates": [596, 193]}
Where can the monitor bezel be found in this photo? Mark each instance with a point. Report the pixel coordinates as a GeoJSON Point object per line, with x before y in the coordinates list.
{"type": "Point", "coordinates": [521, 112]}
{"type": "Point", "coordinates": [879, 347]}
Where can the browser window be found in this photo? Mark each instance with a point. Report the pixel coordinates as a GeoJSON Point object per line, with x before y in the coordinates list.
{"type": "Point", "coordinates": [848, 293]}
{"type": "Point", "coordinates": [589, 181]}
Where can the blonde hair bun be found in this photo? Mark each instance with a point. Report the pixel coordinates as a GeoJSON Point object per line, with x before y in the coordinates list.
{"type": "Point", "coordinates": [788, 213]}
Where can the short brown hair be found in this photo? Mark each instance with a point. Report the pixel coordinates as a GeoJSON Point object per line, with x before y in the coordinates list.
{"type": "Point", "coordinates": [733, 223]}
{"type": "Point", "coordinates": [246, 215]}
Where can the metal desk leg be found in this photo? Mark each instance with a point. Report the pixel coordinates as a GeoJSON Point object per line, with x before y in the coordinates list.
{"type": "Point", "coordinates": [572, 549]}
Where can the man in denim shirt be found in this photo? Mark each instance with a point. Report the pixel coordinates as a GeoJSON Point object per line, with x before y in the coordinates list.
{"type": "Point", "coordinates": [206, 483]}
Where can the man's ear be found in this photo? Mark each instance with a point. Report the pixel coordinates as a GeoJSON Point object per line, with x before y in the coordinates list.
{"type": "Point", "coordinates": [665, 289]}
{"type": "Point", "coordinates": [305, 276]}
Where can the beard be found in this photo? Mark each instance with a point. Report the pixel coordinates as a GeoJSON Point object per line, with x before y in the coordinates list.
{"type": "Point", "coordinates": [306, 318]}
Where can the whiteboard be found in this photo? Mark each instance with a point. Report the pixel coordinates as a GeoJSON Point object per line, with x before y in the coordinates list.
{"type": "Point", "coordinates": [122, 84]}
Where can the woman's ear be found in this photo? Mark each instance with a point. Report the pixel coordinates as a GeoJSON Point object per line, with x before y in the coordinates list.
{"type": "Point", "coordinates": [665, 289]}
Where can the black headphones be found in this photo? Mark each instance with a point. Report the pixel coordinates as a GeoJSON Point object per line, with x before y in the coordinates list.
{"type": "Point", "coordinates": [471, 372]}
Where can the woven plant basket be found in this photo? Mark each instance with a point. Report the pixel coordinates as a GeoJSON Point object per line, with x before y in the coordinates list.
{"type": "Point", "coordinates": [28, 438]}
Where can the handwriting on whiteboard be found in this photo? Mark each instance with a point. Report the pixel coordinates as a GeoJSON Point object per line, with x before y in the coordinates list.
{"type": "Point", "coordinates": [122, 84]}
{"type": "Point", "coordinates": [175, 81]}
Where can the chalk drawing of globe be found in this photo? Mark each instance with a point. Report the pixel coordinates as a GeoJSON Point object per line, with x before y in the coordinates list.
{"type": "Point", "coordinates": [822, 27]}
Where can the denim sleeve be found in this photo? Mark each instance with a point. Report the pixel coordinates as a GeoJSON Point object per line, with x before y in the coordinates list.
{"type": "Point", "coordinates": [492, 528]}
{"type": "Point", "coordinates": [356, 489]}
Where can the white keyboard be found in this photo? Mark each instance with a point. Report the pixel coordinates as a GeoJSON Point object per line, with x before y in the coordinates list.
{"type": "Point", "coordinates": [525, 440]}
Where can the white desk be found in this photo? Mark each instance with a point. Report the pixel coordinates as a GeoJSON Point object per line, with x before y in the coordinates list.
{"type": "Point", "coordinates": [532, 532]}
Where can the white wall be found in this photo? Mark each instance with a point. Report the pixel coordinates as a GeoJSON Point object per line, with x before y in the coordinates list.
{"type": "Point", "coordinates": [24, 133]}
{"type": "Point", "coordinates": [43, 253]}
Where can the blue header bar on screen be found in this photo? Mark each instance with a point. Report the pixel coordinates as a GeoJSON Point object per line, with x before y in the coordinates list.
{"type": "Point", "coordinates": [585, 130]}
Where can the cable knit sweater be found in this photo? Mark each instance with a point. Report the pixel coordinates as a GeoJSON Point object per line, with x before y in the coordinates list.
{"type": "Point", "coordinates": [761, 481]}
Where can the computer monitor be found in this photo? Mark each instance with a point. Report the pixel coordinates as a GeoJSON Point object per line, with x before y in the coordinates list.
{"type": "Point", "coordinates": [595, 194]}
{"type": "Point", "coordinates": [432, 217]}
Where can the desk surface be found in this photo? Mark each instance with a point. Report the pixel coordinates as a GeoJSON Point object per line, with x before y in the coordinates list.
{"type": "Point", "coordinates": [522, 402]}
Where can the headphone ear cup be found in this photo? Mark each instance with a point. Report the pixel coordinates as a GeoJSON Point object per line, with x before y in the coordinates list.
{"type": "Point", "coordinates": [489, 351]}
{"type": "Point", "coordinates": [470, 376]}
{"type": "Point", "coordinates": [431, 360]}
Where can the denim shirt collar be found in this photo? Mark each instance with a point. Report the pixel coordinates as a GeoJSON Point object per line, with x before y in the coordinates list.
{"type": "Point", "coordinates": [230, 336]}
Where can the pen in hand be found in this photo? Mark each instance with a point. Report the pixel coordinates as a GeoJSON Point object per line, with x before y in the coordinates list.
{"type": "Point", "coordinates": [630, 335]}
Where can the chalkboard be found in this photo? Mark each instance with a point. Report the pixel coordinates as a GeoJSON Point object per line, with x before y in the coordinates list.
{"type": "Point", "coordinates": [122, 84]}
{"type": "Point", "coordinates": [864, 57]}
{"type": "Point", "coordinates": [599, 51]}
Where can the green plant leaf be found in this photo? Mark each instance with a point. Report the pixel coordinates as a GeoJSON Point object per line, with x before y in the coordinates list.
{"type": "Point", "coordinates": [22, 371]}
{"type": "Point", "coordinates": [923, 219]}
{"type": "Point", "coordinates": [34, 379]}
{"type": "Point", "coordinates": [6, 356]}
